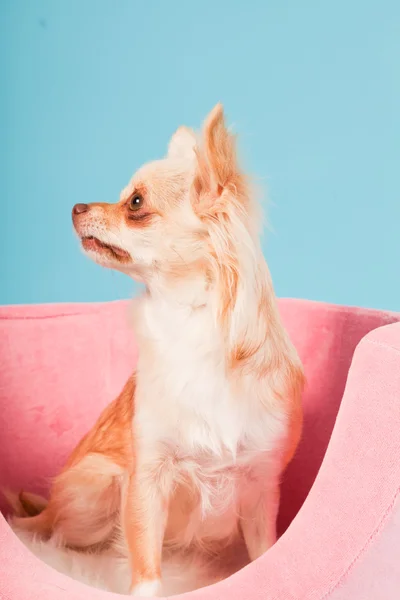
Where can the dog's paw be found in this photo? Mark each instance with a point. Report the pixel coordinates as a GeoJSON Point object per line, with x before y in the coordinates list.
{"type": "Point", "coordinates": [147, 589]}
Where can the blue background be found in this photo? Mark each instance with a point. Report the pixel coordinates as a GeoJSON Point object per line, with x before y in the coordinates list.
{"type": "Point", "coordinates": [90, 89]}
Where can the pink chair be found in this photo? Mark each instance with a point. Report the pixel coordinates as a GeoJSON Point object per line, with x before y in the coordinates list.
{"type": "Point", "coordinates": [340, 514]}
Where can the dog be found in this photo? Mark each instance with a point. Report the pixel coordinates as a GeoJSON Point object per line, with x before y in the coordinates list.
{"type": "Point", "coordinates": [190, 455]}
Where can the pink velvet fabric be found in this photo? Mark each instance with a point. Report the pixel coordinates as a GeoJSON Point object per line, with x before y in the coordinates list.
{"type": "Point", "coordinates": [340, 513]}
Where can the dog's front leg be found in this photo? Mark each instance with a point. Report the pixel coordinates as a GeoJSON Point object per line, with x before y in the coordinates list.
{"type": "Point", "coordinates": [145, 513]}
{"type": "Point", "coordinates": [259, 505]}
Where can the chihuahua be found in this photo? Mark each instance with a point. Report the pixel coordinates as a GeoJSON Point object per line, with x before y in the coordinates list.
{"type": "Point", "coordinates": [191, 454]}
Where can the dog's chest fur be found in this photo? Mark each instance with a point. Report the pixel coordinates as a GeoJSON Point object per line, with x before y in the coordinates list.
{"type": "Point", "coordinates": [195, 422]}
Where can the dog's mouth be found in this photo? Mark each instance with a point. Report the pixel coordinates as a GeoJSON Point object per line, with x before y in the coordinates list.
{"type": "Point", "coordinates": [91, 243]}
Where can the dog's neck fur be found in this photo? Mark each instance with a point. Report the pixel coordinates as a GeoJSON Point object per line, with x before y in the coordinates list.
{"type": "Point", "coordinates": [233, 309]}
{"type": "Point", "coordinates": [190, 306]}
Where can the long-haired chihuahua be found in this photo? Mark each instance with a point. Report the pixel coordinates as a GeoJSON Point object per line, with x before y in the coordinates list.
{"type": "Point", "coordinates": [190, 455]}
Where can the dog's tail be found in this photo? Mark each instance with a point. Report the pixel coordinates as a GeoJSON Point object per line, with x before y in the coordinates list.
{"type": "Point", "coordinates": [29, 512]}
{"type": "Point", "coordinates": [25, 504]}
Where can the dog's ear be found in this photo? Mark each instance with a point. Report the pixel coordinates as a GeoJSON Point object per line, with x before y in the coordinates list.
{"type": "Point", "coordinates": [217, 168]}
{"type": "Point", "coordinates": [182, 144]}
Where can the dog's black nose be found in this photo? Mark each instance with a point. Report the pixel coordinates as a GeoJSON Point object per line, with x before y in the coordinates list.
{"type": "Point", "coordinates": [80, 208]}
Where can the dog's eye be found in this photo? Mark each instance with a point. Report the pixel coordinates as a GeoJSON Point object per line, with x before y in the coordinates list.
{"type": "Point", "coordinates": [135, 202]}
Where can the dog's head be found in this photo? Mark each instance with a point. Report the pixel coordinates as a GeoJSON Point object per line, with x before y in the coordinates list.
{"type": "Point", "coordinates": [175, 212]}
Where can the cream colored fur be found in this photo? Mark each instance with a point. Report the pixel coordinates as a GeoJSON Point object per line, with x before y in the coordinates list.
{"type": "Point", "coordinates": [217, 400]}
